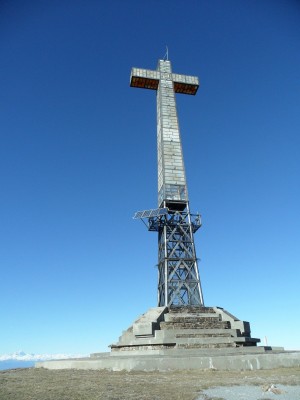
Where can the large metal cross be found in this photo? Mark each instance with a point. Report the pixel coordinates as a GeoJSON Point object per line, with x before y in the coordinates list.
{"type": "Point", "coordinates": [171, 172]}
{"type": "Point", "coordinates": [178, 276]}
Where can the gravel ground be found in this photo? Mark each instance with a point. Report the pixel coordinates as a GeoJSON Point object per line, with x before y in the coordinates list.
{"type": "Point", "coordinates": [42, 384]}
{"type": "Point", "coordinates": [280, 392]}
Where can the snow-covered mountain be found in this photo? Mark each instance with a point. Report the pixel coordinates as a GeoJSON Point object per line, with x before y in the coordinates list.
{"type": "Point", "coordinates": [22, 356]}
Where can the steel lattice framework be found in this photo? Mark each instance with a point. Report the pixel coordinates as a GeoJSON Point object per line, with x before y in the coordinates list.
{"type": "Point", "coordinates": [178, 276]}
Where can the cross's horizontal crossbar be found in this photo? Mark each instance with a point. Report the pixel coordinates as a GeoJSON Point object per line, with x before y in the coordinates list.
{"type": "Point", "coordinates": [149, 79]}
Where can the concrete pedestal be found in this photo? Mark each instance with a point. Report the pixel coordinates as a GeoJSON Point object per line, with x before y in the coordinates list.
{"type": "Point", "coordinates": [184, 338]}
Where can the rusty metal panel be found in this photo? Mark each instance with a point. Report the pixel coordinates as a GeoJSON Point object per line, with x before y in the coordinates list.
{"type": "Point", "coordinates": [144, 78]}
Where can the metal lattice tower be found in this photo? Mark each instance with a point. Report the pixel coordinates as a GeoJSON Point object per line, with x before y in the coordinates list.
{"type": "Point", "coordinates": [178, 276]}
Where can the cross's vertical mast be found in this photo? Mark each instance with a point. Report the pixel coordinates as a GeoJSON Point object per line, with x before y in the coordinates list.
{"type": "Point", "coordinates": [171, 173]}
{"type": "Point", "coordinates": [178, 277]}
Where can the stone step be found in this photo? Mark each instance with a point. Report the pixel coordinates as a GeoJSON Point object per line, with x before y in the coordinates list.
{"type": "Point", "coordinates": [205, 340]}
{"type": "Point", "coordinates": [139, 347]}
{"type": "Point", "coordinates": [205, 345]}
{"type": "Point", "coordinates": [200, 324]}
{"type": "Point", "coordinates": [182, 319]}
{"type": "Point", "coordinates": [214, 351]}
{"type": "Point", "coordinates": [202, 335]}
{"type": "Point", "coordinates": [202, 331]}
{"type": "Point", "coordinates": [191, 310]}
{"type": "Point", "coordinates": [191, 317]}
{"type": "Point", "coordinates": [246, 341]}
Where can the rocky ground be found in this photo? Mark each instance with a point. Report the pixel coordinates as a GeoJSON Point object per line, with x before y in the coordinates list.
{"type": "Point", "coordinates": [42, 384]}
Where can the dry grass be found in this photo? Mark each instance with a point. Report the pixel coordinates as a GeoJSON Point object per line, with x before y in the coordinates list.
{"type": "Point", "coordinates": [42, 384]}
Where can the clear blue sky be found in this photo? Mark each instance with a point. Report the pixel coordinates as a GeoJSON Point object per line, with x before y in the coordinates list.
{"type": "Point", "coordinates": [78, 158]}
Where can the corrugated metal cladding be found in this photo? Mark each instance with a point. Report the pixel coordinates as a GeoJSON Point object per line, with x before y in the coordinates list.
{"type": "Point", "coordinates": [171, 171]}
{"type": "Point", "coordinates": [172, 182]}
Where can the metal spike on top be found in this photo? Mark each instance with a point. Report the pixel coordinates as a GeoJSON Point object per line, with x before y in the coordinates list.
{"type": "Point", "coordinates": [166, 56]}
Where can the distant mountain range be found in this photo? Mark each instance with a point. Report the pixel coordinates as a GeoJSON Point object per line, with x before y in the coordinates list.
{"type": "Point", "coordinates": [20, 359]}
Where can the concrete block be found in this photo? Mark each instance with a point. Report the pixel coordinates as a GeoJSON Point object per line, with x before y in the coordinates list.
{"type": "Point", "coordinates": [149, 321]}
{"type": "Point", "coordinates": [164, 363]}
{"type": "Point", "coordinates": [243, 327]}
